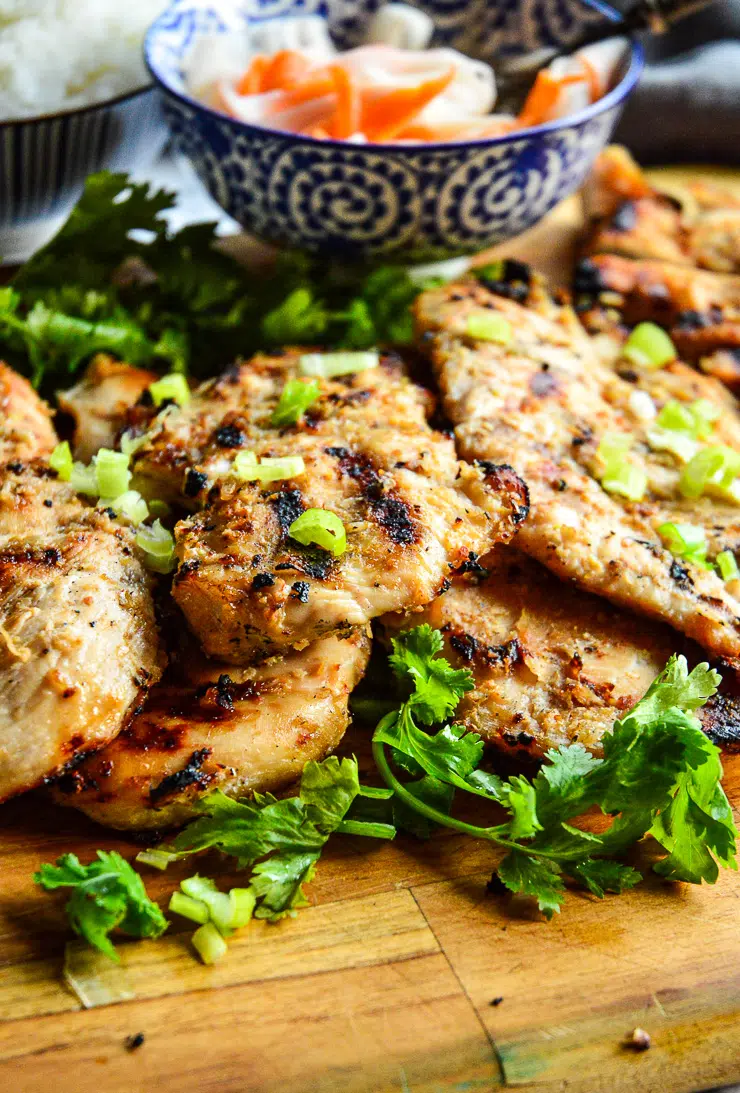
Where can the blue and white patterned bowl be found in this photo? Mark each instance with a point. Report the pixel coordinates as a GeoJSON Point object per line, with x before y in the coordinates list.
{"type": "Point", "coordinates": [44, 162]}
{"type": "Point", "coordinates": [425, 202]}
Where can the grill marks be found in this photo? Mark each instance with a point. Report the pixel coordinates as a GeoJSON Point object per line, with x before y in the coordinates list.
{"type": "Point", "coordinates": [190, 775]}
{"type": "Point", "coordinates": [389, 510]}
{"type": "Point", "coordinates": [287, 505]}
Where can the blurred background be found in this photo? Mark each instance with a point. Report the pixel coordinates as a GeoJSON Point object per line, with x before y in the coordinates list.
{"type": "Point", "coordinates": [687, 106]}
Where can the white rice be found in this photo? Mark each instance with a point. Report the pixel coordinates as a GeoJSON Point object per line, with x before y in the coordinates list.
{"type": "Point", "coordinates": [61, 54]}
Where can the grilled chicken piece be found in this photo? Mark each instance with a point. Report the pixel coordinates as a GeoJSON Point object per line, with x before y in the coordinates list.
{"type": "Point", "coordinates": [210, 725]}
{"type": "Point", "coordinates": [26, 430]}
{"type": "Point", "coordinates": [412, 512]}
{"type": "Point", "coordinates": [695, 224]}
{"type": "Point", "coordinates": [78, 639]}
{"type": "Point", "coordinates": [551, 664]}
{"type": "Point", "coordinates": [700, 310]}
{"type": "Point", "coordinates": [99, 403]}
{"type": "Point", "coordinates": [542, 404]}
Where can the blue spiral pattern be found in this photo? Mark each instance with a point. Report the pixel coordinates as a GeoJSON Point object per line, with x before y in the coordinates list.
{"type": "Point", "coordinates": [361, 200]}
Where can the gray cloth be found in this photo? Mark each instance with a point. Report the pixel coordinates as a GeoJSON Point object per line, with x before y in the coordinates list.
{"type": "Point", "coordinates": [687, 106]}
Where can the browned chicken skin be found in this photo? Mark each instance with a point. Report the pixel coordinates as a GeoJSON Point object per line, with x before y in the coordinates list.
{"type": "Point", "coordinates": [413, 514]}
{"type": "Point", "coordinates": [552, 665]}
{"type": "Point", "coordinates": [213, 726]}
{"type": "Point", "coordinates": [543, 404]}
{"type": "Point", "coordinates": [99, 403]}
{"type": "Point", "coordinates": [26, 430]}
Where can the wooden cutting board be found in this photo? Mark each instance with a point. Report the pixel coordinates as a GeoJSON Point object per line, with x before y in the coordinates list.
{"type": "Point", "coordinates": [403, 975]}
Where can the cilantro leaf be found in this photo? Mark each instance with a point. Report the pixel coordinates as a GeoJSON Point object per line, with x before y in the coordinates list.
{"type": "Point", "coordinates": [449, 755]}
{"type": "Point", "coordinates": [438, 686]}
{"type": "Point", "coordinates": [280, 840]}
{"type": "Point", "coordinates": [602, 875]}
{"type": "Point", "coordinates": [532, 876]}
{"type": "Point", "coordinates": [106, 894]}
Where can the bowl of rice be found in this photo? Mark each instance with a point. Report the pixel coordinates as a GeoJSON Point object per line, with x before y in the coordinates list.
{"type": "Point", "coordinates": [75, 98]}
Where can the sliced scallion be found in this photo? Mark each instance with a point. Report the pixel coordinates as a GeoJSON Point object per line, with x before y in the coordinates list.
{"type": "Point", "coordinates": [648, 346]}
{"type": "Point", "coordinates": [678, 444]}
{"type": "Point", "coordinates": [61, 461]}
{"type": "Point", "coordinates": [727, 564]}
{"type": "Point", "coordinates": [112, 472]}
{"type": "Point", "coordinates": [712, 470]}
{"type": "Point", "coordinates": [170, 388]}
{"type": "Point", "coordinates": [131, 505]}
{"type": "Point", "coordinates": [242, 906]}
{"type": "Point", "coordinates": [83, 479]}
{"type": "Point", "coordinates": [627, 480]}
{"type": "Point", "coordinates": [489, 326]}
{"type": "Point", "coordinates": [686, 541]}
{"type": "Point", "coordinates": [209, 944]}
{"type": "Point", "coordinates": [158, 546]}
{"type": "Point", "coordinates": [131, 443]}
{"type": "Point", "coordinates": [194, 909]}
{"type": "Point", "coordinates": [269, 469]}
{"type": "Point", "coordinates": [694, 419]}
{"type": "Point", "coordinates": [322, 528]}
{"type": "Point", "coordinates": [295, 397]}
{"type": "Point", "coordinates": [218, 903]}
{"type": "Point", "coordinates": [328, 365]}
{"type": "Point", "coordinates": [157, 859]}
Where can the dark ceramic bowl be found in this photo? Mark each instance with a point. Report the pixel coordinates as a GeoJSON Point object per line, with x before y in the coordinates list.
{"type": "Point", "coordinates": [428, 201]}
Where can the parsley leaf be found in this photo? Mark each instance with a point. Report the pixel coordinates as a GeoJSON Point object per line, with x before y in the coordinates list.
{"type": "Point", "coordinates": [280, 840]}
{"type": "Point", "coordinates": [106, 894]}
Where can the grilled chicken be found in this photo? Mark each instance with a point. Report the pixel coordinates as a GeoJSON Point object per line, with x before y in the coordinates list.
{"type": "Point", "coordinates": [78, 639]}
{"type": "Point", "coordinates": [26, 430]}
{"type": "Point", "coordinates": [542, 403]}
{"type": "Point", "coordinates": [210, 725]}
{"type": "Point", "coordinates": [695, 224]}
{"type": "Point", "coordinates": [413, 514]}
{"type": "Point", "coordinates": [673, 259]}
{"type": "Point", "coordinates": [551, 664]}
{"type": "Point", "coordinates": [99, 403]}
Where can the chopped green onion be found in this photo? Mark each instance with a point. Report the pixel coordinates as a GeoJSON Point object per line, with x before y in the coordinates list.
{"type": "Point", "coordinates": [678, 444]}
{"type": "Point", "coordinates": [83, 479]}
{"type": "Point", "coordinates": [130, 443]}
{"type": "Point", "coordinates": [131, 505]}
{"type": "Point", "coordinates": [218, 903]}
{"type": "Point", "coordinates": [60, 461]}
{"type": "Point", "coordinates": [158, 546]}
{"type": "Point", "coordinates": [626, 479]}
{"type": "Point", "coordinates": [686, 541]}
{"type": "Point", "coordinates": [695, 419]}
{"type": "Point", "coordinates": [170, 388]}
{"type": "Point", "coordinates": [322, 528]}
{"type": "Point", "coordinates": [194, 909]}
{"type": "Point", "coordinates": [728, 566]}
{"type": "Point", "coordinates": [648, 346]}
{"type": "Point", "coordinates": [489, 326]}
{"type": "Point", "coordinates": [268, 469]}
{"type": "Point", "coordinates": [209, 944]}
{"type": "Point", "coordinates": [620, 476]}
{"type": "Point", "coordinates": [711, 470]}
{"type": "Point", "coordinates": [159, 508]}
{"type": "Point", "coordinates": [158, 859]}
{"type": "Point", "coordinates": [295, 397]}
{"type": "Point", "coordinates": [112, 472]}
{"type": "Point", "coordinates": [242, 906]}
{"type": "Point", "coordinates": [328, 365]}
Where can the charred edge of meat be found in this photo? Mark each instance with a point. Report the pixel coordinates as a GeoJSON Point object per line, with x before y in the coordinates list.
{"type": "Point", "coordinates": [680, 575]}
{"type": "Point", "coordinates": [262, 580]}
{"type": "Point", "coordinates": [587, 279]}
{"type": "Point", "coordinates": [229, 436]}
{"type": "Point", "coordinates": [209, 702]}
{"type": "Point", "coordinates": [70, 779]}
{"type": "Point", "coordinates": [472, 567]}
{"type": "Point", "coordinates": [191, 774]}
{"type": "Point", "coordinates": [720, 720]}
{"type": "Point", "coordinates": [300, 590]}
{"type": "Point", "coordinates": [514, 282]}
{"type": "Point", "coordinates": [194, 483]}
{"type": "Point", "coordinates": [288, 506]}
{"type": "Point", "coordinates": [388, 510]}
{"type": "Point", "coordinates": [505, 656]}
{"type": "Point", "coordinates": [46, 558]}
{"type": "Point", "coordinates": [503, 478]}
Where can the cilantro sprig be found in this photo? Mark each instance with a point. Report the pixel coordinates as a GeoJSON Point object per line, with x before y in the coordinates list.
{"type": "Point", "coordinates": [106, 895]}
{"type": "Point", "coordinates": [660, 776]}
{"type": "Point", "coordinates": [115, 278]}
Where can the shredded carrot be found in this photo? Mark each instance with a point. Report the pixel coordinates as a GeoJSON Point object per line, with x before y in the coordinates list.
{"type": "Point", "coordinates": [318, 83]}
{"type": "Point", "coordinates": [387, 113]}
{"type": "Point", "coordinates": [592, 76]}
{"type": "Point", "coordinates": [251, 81]}
{"type": "Point", "coordinates": [346, 120]}
{"type": "Point", "coordinates": [286, 69]}
{"type": "Point", "coordinates": [543, 97]}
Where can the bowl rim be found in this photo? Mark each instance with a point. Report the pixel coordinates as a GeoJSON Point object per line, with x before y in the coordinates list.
{"type": "Point", "coordinates": [78, 110]}
{"type": "Point", "coordinates": [612, 98]}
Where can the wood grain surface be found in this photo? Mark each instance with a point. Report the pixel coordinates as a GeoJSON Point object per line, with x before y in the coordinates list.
{"type": "Point", "coordinates": [387, 981]}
